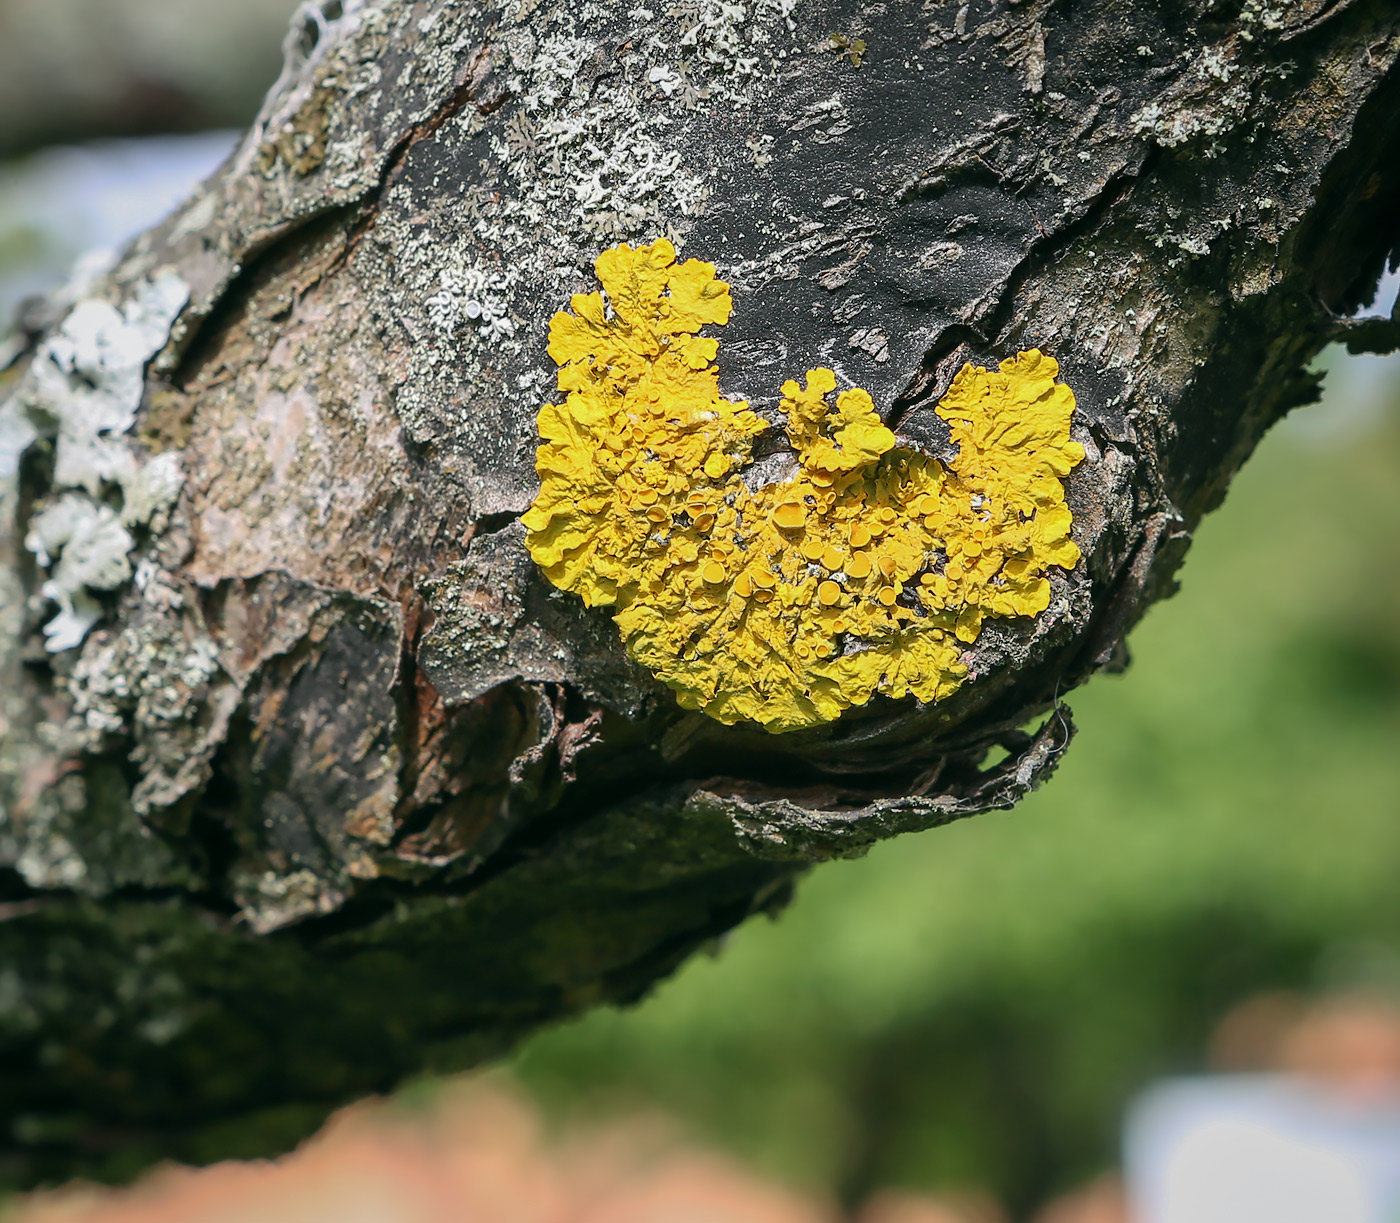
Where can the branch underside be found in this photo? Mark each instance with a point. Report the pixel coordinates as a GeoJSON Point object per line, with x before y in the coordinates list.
{"type": "Point", "coordinates": [336, 787]}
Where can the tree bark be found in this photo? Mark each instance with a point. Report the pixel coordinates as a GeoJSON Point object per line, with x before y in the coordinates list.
{"type": "Point", "coordinates": [310, 779]}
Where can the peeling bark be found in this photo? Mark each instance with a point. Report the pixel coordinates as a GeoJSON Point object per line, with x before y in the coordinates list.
{"type": "Point", "coordinates": [322, 784]}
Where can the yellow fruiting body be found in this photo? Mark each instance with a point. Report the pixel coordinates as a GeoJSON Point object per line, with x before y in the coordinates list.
{"type": "Point", "coordinates": [870, 570]}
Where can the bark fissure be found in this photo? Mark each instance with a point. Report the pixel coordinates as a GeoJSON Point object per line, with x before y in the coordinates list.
{"type": "Point", "coordinates": [965, 342]}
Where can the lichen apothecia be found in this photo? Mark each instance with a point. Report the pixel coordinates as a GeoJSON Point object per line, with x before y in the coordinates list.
{"type": "Point", "coordinates": [869, 570]}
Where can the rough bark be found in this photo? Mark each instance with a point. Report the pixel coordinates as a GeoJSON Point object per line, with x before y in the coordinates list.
{"type": "Point", "coordinates": [326, 785]}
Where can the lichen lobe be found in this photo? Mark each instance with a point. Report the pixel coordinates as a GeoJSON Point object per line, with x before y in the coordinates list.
{"type": "Point", "coordinates": [870, 570]}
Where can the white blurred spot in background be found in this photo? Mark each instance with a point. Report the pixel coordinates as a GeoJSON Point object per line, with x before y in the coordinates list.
{"type": "Point", "coordinates": [60, 203]}
{"type": "Point", "coordinates": [1262, 1150]}
{"type": "Point", "coordinates": [1356, 389]}
{"type": "Point", "coordinates": [1316, 1140]}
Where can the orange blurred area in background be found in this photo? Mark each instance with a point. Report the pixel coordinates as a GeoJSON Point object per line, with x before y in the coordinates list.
{"type": "Point", "coordinates": [1349, 1043]}
{"type": "Point", "coordinates": [480, 1151]}
{"type": "Point", "coordinates": [477, 1152]}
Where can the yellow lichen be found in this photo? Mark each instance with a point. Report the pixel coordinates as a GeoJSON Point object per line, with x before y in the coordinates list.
{"type": "Point", "coordinates": [870, 570]}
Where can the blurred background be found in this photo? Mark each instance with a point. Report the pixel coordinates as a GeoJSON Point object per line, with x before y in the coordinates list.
{"type": "Point", "coordinates": [1030, 1015]}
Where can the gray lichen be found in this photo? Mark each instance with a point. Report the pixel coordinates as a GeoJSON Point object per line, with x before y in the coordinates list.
{"type": "Point", "coordinates": [584, 121]}
{"type": "Point", "coordinates": [81, 393]}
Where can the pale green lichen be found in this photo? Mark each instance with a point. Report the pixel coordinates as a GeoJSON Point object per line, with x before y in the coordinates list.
{"type": "Point", "coordinates": [868, 571]}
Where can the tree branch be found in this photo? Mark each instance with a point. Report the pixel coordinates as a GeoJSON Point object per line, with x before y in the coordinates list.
{"type": "Point", "coordinates": [318, 782]}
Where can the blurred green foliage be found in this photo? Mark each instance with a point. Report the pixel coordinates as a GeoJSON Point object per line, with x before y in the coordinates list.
{"type": "Point", "coordinates": [977, 1004]}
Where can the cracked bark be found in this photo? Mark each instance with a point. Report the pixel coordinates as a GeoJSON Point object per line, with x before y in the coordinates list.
{"type": "Point", "coordinates": [335, 788]}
